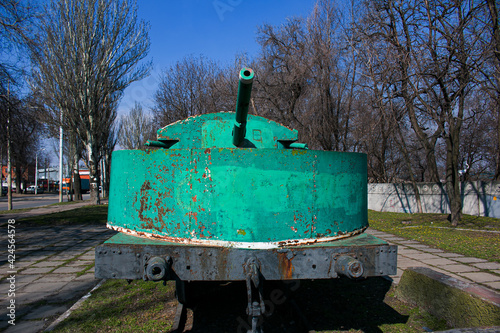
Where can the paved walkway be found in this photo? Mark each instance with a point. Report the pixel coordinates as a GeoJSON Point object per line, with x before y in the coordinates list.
{"type": "Point", "coordinates": [4, 215]}
{"type": "Point", "coordinates": [414, 254]}
{"type": "Point", "coordinates": [55, 267]}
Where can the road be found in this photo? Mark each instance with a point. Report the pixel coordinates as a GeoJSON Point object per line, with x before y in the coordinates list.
{"type": "Point", "coordinates": [30, 200]}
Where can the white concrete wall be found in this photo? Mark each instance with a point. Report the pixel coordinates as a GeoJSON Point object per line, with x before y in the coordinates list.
{"type": "Point", "coordinates": [478, 198]}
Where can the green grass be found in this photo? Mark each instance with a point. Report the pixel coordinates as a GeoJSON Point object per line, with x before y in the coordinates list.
{"type": "Point", "coordinates": [86, 215]}
{"type": "Point", "coordinates": [15, 211]}
{"type": "Point", "coordinates": [22, 210]}
{"type": "Point", "coordinates": [468, 238]}
{"type": "Point", "coordinates": [339, 305]}
{"type": "Point", "coordinates": [121, 307]}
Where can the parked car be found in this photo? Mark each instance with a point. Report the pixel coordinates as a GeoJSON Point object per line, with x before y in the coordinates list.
{"type": "Point", "coordinates": [31, 189]}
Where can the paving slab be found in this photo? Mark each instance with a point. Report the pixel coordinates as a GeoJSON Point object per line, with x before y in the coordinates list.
{"type": "Point", "coordinates": [453, 275]}
{"type": "Point", "coordinates": [470, 260]}
{"type": "Point", "coordinates": [410, 242]}
{"type": "Point", "coordinates": [80, 263]}
{"type": "Point", "coordinates": [31, 297]}
{"type": "Point", "coordinates": [494, 285]}
{"type": "Point", "coordinates": [408, 250]}
{"type": "Point", "coordinates": [32, 247]}
{"type": "Point", "coordinates": [481, 277]}
{"type": "Point", "coordinates": [459, 268]}
{"type": "Point", "coordinates": [421, 256]}
{"type": "Point", "coordinates": [23, 278]}
{"type": "Point", "coordinates": [47, 263]}
{"type": "Point", "coordinates": [56, 248]}
{"type": "Point", "coordinates": [22, 264]}
{"type": "Point", "coordinates": [89, 276]}
{"type": "Point", "coordinates": [37, 270]}
{"type": "Point", "coordinates": [46, 311]}
{"type": "Point", "coordinates": [450, 255]}
{"type": "Point", "coordinates": [404, 263]}
{"type": "Point", "coordinates": [487, 265]}
{"type": "Point", "coordinates": [64, 257]}
{"type": "Point", "coordinates": [68, 270]}
{"type": "Point", "coordinates": [394, 238]}
{"type": "Point", "coordinates": [56, 277]}
{"type": "Point", "coordinates": [439, 262]}
{"type": "Point", "coordinates": [45, 287]}
{"type": "Point", "coordinates": [27, 327]}
{"type": "Point", "coordinates": [72, 291]}
{"type": "Point", "coordinates": [433, 250]}
{"type": "Point", "coordinates": [421, 247]}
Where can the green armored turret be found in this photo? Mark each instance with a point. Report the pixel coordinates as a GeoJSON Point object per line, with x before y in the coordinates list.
{"type": "Point", "coordinates": [240, 179]}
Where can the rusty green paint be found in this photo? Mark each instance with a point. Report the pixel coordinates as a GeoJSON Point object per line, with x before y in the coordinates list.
{"type": "Point", "coordinates": [214, 130]}
{"type": "Point", "coordinates": [201, 189]}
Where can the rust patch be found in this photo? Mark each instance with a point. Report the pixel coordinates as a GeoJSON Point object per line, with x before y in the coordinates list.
{"type": "Point", "coordinates": [285, 266]}
{"type": "Point", "coordinates": [148, 222]}
{"type": "Point", "coordinates": [193, 215]}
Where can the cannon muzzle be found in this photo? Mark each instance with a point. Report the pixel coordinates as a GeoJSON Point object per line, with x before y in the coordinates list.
{"type": "Point", "coordinates": [242, 102]}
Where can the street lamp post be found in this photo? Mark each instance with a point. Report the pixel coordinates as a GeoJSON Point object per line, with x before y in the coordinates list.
{"type": "Point", "coordinates": [60, 159]}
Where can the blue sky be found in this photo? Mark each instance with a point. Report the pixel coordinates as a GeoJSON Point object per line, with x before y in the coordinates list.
{"type": "Point", "coordinates": [217, 29]}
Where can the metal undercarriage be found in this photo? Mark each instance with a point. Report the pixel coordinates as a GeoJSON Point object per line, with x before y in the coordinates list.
{"type": "Point", "coordinates": [132, 258]}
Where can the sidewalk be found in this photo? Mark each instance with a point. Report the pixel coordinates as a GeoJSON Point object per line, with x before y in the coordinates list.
{"type": "Point", "coordinates": [54, 268]}
{"type": "Point", "coordinates": [414, 254]}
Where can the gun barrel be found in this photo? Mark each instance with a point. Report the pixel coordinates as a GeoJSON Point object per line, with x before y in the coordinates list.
{"type": "Point", "coordinates": [242, 102]}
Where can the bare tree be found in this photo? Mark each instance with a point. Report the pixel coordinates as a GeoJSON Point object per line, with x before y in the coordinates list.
{"type": "Point", "coordinates": [90, 55]}
{"type": "Point", "coordinates": [194, 85]}
{"type": "Point", "coordinates": [282, 70]}
{"type": "Point", "coordinates": [15, 35]}
{"type": "Point", "coordinates": [307, 76]}
{"type": "Point", "coordinates": [434, 70]}
{"type": "Point", "coordinates": [16, 17]}
{"type": "Point", "coordinates": [136, 128]}
{"type": "Point", "coordinates": [25, 131]}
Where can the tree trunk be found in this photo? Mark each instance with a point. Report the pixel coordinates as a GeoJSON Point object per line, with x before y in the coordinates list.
{"type": "Point", "coordinates": [105, 182]}
{"type": "Point", "coordinates": [77, 185]}
{"type": "Point", "coordinates": [497, 157]}
{"type": "Point", "coordinates": [94, 177]}
{"type": "Point", "coordinates": [497, 173]}
{"type": "Point", "coordinates": [452, 177]}
{"type": "Point", "coordinates": [495, 28]}
{"type": "Point", "coordinates": [18, 179]}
